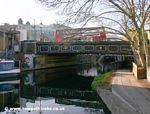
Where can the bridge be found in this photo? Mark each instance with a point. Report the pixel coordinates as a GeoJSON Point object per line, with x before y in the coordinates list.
{"type": "Point", "coordinates": [110, 51]}
{"type": "Point", "coordinates": [102, 47]}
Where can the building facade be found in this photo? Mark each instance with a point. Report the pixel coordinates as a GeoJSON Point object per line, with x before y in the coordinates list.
{"type": "Point", "coordinates": [38, 32]}
{"type": "Point", "coordinates": [9, 37]}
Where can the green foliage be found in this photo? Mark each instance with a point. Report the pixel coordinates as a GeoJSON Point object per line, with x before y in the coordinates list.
{"type": "Point", "coordinates": [100, 80]}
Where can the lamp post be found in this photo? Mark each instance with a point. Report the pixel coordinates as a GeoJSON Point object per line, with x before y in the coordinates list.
{"type": "Point", "coordinates": [12, 33]}
{"type": "Point", "coordinates": [4, 38]}
{"type": "Point", "coordinates": [34, 29]}
{"type": "Point", "coordinates": [41, 38]}
{"type": "Point", "coordinates": [40, 106]}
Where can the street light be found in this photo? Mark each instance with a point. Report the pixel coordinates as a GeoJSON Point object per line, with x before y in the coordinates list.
{"type": "Point", "coordinates": [34, 28]}
{"type": "Point", "coordinates": [41, 26]}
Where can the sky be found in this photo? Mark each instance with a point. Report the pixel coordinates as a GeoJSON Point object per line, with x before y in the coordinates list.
{"type": "Point", "coordinates": [28, 10]}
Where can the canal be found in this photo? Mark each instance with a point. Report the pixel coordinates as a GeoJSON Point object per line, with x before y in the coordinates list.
{"type": "Point", "coordinates": [51, 91]}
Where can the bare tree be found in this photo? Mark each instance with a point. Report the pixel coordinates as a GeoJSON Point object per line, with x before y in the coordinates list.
{"type": "Point", "coordinates": [123, 17]}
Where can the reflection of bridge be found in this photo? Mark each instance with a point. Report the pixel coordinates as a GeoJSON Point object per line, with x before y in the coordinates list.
{"type": "Point", "coordinates": [65, 96]}
{"type": "Point", "coordinates": [103, 47]}
{"type": "Point", "coordinates": [82, 103]}
{"type": "Point", "coordinates": [33, 92]}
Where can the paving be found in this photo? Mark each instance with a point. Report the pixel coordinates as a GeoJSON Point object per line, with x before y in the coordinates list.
{"type": "Point", "coordinates": [114, 103]}
{"type": "Point", "coordinates": [128, 95]}
{"type": "Point", "coordinates": [135, 93]}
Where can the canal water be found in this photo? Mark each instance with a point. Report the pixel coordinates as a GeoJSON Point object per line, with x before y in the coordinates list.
{"type": "Point", "coordinates": [51, 91]}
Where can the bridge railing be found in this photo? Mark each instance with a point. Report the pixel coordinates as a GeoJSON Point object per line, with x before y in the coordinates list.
{"type": "Point", "coordinates": [103, 47]}
{"type": "Point", "coordinates": [85, 48]}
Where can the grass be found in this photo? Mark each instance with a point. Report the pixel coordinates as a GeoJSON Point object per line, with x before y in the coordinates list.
{"type": "Point", "coordinates": [101, 80]}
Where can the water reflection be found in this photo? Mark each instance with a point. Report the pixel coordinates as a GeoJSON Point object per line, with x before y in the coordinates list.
{"type": "Point", "coordinates": [9, 93]}
{"type": "Point", "coordinates": [54, 91]}
{"type": "Point", "coordinates": [89, 72]}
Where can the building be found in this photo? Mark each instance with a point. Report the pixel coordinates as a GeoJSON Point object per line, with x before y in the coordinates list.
{"type": "Point", "coordinates": [40, 32]}
{"type": "Point", "coordinates": [9, 37]}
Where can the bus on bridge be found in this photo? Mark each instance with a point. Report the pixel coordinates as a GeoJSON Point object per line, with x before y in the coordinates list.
{"type": "Point", "coordinates": [81, 34]}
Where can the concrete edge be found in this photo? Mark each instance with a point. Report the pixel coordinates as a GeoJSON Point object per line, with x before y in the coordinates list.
{"type": "Point", "coordinates": [115, 104]}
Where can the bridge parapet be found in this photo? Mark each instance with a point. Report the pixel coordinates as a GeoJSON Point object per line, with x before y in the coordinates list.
{"type": "Point", "coordinates": [103, 47]}
{"type": "Point", "coordinates": [28, 47]}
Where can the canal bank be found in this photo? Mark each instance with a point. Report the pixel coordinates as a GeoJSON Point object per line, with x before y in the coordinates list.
{"type": "Point", "coordinates": [103, 85]}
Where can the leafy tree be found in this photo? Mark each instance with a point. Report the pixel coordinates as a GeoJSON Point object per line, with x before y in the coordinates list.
{"type": "Point", "coordinates": [117, 16]}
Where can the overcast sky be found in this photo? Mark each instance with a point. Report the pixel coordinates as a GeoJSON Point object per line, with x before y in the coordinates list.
{"type": "Point", "coordinates": [28, 10]}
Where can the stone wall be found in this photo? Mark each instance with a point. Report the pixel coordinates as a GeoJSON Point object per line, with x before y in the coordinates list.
{"type": "Point", "coordinates": [138, 72]}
